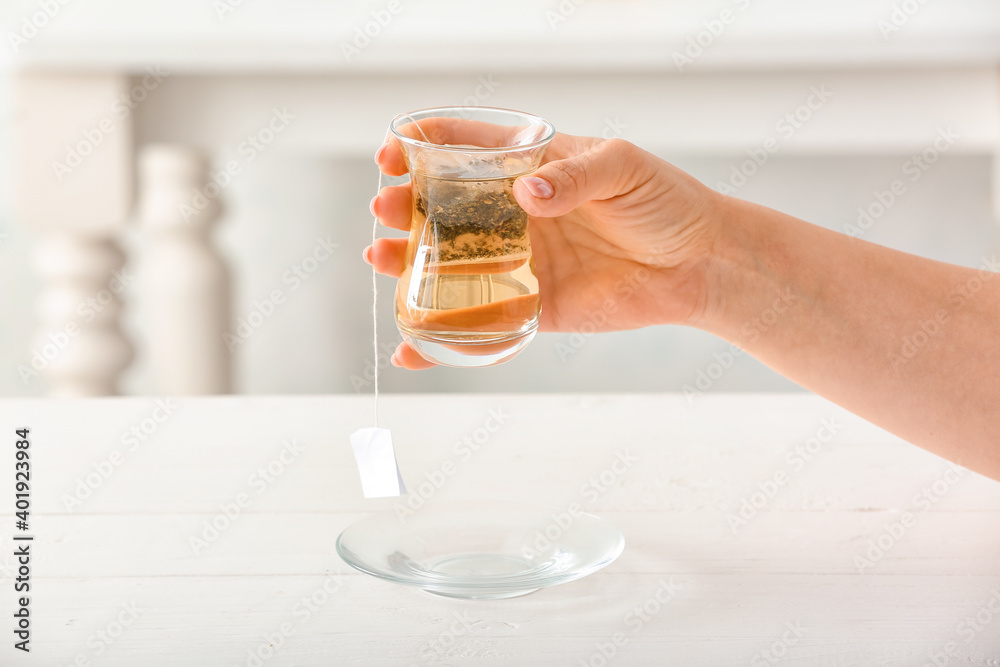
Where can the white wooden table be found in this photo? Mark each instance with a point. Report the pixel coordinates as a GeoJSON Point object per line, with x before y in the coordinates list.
{"type": "Point", "coordinates": [848, 563]}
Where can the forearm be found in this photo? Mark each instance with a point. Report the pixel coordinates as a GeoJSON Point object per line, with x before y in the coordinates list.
{"type": "Point", "coordinates": [908, 343]}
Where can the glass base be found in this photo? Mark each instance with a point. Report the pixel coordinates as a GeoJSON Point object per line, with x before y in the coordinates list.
{"type": "Point", "coordinates": [480, 554]}
{"type": "Point", "coordinates": [468, 352]}
{"type": "Point", "coordinates": [485, 567]}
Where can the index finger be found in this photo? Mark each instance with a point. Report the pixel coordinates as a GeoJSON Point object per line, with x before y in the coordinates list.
{"type": "Point", "coordinates": [389, 158]}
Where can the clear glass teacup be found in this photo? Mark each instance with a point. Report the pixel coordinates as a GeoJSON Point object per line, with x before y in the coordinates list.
{"type": "Point", "coordinates": [468, 295]}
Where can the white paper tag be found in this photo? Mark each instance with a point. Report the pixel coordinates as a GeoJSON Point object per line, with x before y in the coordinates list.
{"type": "Point", "coordinates": [380, 476]}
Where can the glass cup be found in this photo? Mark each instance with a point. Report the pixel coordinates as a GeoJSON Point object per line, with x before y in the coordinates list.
{"type": "Point", "coordinates": [468, 295]}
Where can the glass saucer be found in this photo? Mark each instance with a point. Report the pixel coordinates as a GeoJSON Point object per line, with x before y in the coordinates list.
{"type": "Point", "coordinates": [480, 554]}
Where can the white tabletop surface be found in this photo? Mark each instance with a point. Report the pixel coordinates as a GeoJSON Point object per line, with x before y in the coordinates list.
{"type": "Point", "coordinates": [823, 573]}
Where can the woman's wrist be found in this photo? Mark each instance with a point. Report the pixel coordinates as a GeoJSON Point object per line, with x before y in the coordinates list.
{"type": "Point", "coordinates": [738, 274]}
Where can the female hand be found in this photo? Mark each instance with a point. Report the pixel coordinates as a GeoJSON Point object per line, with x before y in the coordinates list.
{"type": "Point", "coordinates": [618, 236]}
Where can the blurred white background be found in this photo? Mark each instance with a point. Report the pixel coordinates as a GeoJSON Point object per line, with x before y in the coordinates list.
{"type": "Point", "coordinates": [589, 67]}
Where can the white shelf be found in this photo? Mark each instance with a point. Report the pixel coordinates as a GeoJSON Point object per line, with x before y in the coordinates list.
{"type": "Point", "coordinates": [517, 35]}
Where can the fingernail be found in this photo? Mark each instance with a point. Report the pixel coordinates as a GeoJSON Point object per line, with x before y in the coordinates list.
{"type": "Point", "coordinates": [378, 153]}
{"type": "Point", "coordinates": [367, 254]}
{"type": "Point", "coordinates": [393, 360]}
{"type": "Point", "coordinates": [371, 206]}
{"type": "Point", "coordinates": [538, 187]}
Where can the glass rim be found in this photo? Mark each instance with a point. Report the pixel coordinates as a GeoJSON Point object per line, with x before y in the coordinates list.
{"type": "Point", "coordinates": [549, 127]}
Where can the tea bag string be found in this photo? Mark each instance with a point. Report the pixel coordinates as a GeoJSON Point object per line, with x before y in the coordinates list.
{"type": "Point", "coordinates": [375, 301]}
{"type": "Point", "coordinates": [419, 129]}
{"type": "Point", "coordinates": [375, 275]}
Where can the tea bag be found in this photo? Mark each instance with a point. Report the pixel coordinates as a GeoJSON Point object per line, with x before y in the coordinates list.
{"type": "Point", "coordinates": [471, 221]}
{"type": "Point", "coordinates": [373, 450]}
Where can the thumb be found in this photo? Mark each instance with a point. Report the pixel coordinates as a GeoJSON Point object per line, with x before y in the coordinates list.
{"type": "Point", "coordinates": [608, 169]}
